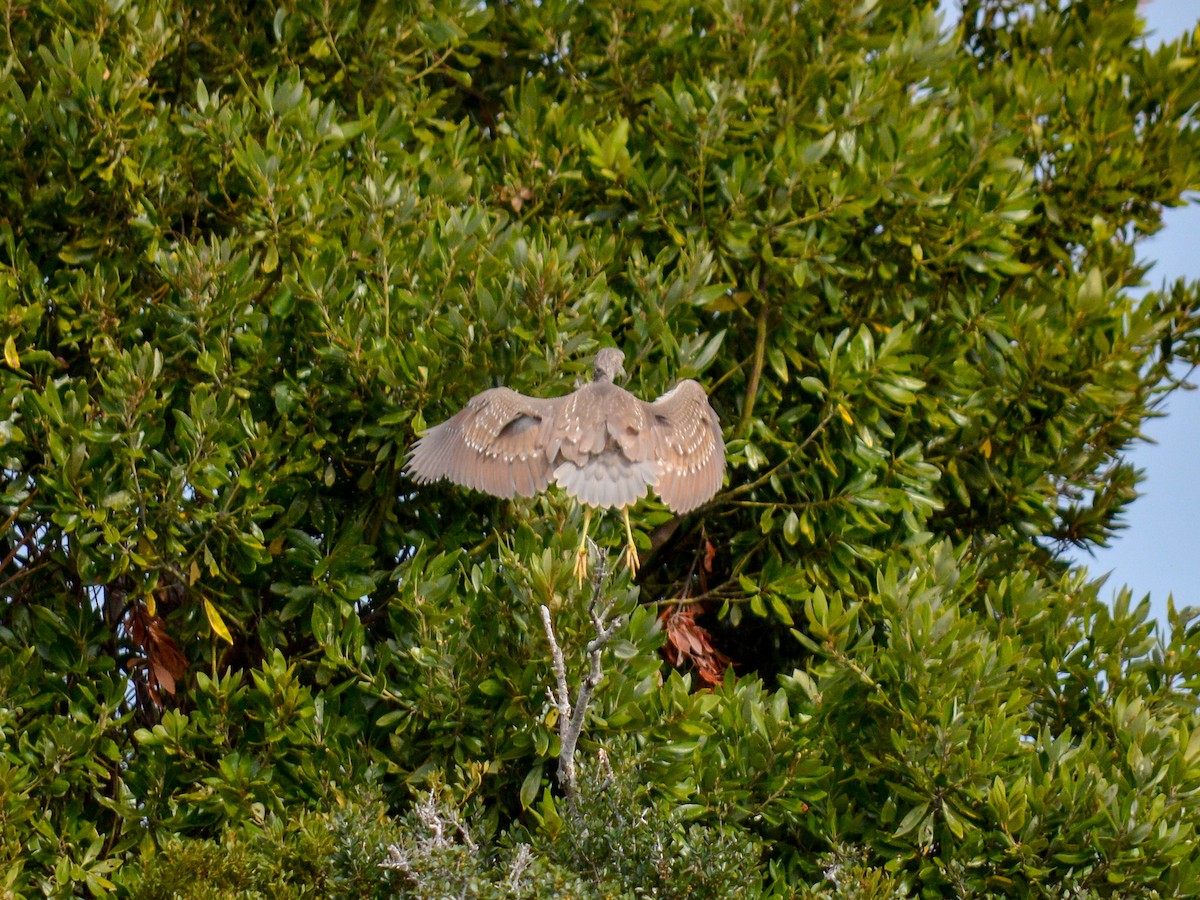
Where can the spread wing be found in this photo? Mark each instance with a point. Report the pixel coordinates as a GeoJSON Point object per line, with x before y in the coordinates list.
{"type": "Point", "coordinates": [496, 444]}
{"type": "Point", "coordinates": [688, 445]}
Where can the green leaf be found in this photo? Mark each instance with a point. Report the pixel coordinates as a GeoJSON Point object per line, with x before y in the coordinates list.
{"type": "Point", "coordinates": [216, 622]}
{"type": "Point", "coordinates": [532, 784]}
{"type": "Point", "coordinates": [913, 818]}
{"type": "Point", "coordinates": [791, 527]}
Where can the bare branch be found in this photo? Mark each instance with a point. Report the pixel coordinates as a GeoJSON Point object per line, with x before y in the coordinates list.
{"type": "Point", "coordinates": [561, 697]}
{"type": "Point", "coordinates": [520, 863]}
{"type": "Point", "coordinates": [571, 721]}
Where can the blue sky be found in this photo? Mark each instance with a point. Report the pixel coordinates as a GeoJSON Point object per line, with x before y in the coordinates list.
{"type": "Point", "coordinates": [1157, 554]}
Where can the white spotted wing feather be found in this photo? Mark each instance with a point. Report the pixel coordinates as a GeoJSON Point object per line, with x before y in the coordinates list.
{"type": "Point", "coordinates": [689, 449]}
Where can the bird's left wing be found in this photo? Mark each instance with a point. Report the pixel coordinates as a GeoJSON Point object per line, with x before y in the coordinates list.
{"type": "Point", "coordinates": [496, 444]}
{"type": "Point", "coordinates": [688, 446]}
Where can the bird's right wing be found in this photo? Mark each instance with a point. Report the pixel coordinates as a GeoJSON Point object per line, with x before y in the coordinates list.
{"type": "Point", "coordinates": [496, 444]}
{"type": "Point", "coordinates": [688, 446]}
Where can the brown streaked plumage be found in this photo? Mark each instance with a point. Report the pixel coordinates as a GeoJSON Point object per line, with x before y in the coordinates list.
{"type": "Point", "coordinates": [601, 444]}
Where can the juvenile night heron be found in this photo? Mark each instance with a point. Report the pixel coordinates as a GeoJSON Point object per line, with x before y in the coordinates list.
{"type": "Point", "coordinates": [600, 444]}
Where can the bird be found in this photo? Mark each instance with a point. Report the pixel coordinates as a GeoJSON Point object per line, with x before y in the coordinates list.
{"type": "Point", "coordinates": [601, 445]}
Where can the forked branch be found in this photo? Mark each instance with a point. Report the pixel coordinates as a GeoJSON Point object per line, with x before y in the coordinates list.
{"type": "Point", "coordinates": [570, 720]}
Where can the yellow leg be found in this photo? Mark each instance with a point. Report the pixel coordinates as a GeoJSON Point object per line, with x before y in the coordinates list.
{"type": "Point", "coordinates": [581, 555]}
{"type": "Point", "coordinates": [631, 554]}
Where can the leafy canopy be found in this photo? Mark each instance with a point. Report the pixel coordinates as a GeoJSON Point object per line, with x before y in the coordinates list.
{"type": "Point", "coordinates": [246, 253]}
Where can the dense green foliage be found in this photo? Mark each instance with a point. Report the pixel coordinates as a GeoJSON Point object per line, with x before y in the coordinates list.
{"type": "Point", "coordinates": [247, 252]}
{"type": "Point", "coordinates": [624, 841]}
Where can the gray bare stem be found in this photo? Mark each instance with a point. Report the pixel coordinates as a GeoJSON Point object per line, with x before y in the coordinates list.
{"type": "Point", "coordinates": [570, 721]}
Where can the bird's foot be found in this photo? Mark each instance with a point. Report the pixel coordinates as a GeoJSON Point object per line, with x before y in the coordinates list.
{"type": "Point", "coordinates": [631, 559]}
{"type": "Point", "coordinates": [581, 562]}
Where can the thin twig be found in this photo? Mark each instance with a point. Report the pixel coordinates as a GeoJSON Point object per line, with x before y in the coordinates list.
{"type": "Point", "coordinates": [764, 478]}
{"type": "Point", "coordinates": [20, 508]}
{"type": "Point", "coordinates": [760, 353]}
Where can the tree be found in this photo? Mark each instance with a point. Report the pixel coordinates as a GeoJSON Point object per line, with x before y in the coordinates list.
{"type": "Point", "coordinates": [249, 252]}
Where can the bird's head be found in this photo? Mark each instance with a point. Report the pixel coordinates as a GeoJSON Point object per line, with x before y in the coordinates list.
{"type": "Point", "coordinates": [610, 362]}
